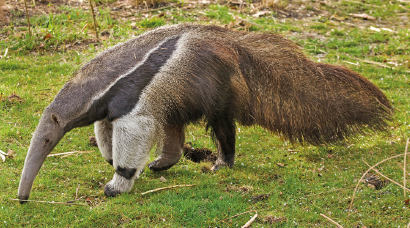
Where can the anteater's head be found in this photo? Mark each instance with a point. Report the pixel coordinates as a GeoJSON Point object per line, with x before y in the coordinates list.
{"type": "Point", "coordinates": [48, 133]}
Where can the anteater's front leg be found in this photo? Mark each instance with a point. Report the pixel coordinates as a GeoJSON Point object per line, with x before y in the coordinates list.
{"type": "Point", "coordinates": [133, 137]}
{"type": "Point", "coordinates": [103, 135]}
{"type": "Point", "coordinates": [170, 147]}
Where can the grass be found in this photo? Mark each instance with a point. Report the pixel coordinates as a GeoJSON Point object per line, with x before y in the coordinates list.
{"type": "Point", "coordinates": [300, 190]}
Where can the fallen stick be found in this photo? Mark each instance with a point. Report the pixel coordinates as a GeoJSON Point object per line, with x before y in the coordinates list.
{"type": "Point", "coordinates": [337, 224]}
{"type": "Point", "coordinates": [404, 167]}
{"type": "Point", "coordinates": [375, 63]}
{"type": "Point", "coordinates": [76, 192]}
{"type": "Point", "coordinates": [250, 221]}
{"type": "Point", "coordinates": [237, 215]}
{"type": "Point", "coordinates": [408, 226]}
{"type": "Point", "coordinates": [378, 64]}
{"type": "Point", "coordinates": [95, 23]}
{"type": "Point", "coordinates": [28, 18]}
{"type": "Point", "coordinates": [401, 186]}
{"type": "Point", "coordinates": [364, 174]}
{"type": "Point", "coordinates": [73, 152]}
{"type": "Point", "coordinates": [175, 186]}
{"type": "Point", "coordinates": [36, 201]}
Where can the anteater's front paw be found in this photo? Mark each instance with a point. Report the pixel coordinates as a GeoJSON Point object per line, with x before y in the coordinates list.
{"type": "Point", "coordinates": [118, 185]}
{"type": "Point", "coordinates": [110, 191]}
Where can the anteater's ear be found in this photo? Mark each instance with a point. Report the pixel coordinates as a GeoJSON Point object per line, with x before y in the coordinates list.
{"type": "Point", "coordinates": [55, 119]}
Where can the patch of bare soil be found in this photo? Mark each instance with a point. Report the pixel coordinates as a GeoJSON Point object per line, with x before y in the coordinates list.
{"type": "Point", "coordinates": [4, 13]}
{"type": "Point", "coordinates": [198, 155]}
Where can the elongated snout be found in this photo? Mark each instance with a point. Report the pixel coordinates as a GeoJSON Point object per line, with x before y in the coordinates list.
{"type": "Point", "coordinates": [45, 138]}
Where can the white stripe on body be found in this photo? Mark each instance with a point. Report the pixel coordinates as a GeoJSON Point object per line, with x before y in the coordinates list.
{"type": "Point", "coordinates": [135, 133]}
{"type": "Point", "coordinates": [103, 92]}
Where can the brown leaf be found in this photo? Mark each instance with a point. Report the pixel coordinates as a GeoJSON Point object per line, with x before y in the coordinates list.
{"type": "Point", "coordinates": [48, 36]}
{"type": "Point", "coordinates": [89, 201]}
{"type": "Point", "coordinates": [406, 202]}
{"type": "Point", "coordinates": [329, 156]}
{"type": "Point", "coordinates": [14, 97]}
{"type": "Point", "coordinates": [11, 153]}
{"type": "Point", "coordinates": [280, 164]}
{"type": "Point", "coordinates": [162, 179]}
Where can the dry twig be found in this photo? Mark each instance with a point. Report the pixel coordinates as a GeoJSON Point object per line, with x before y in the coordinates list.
{"type": "Point", "coordinates": [73, 152]}
{"type": "Point", "coordinates": [28, 18]}
{"type": "Point", "coordinates": [76, 192]}
{"type": "Point", "coordinates": [404, 168]}
{"type": "Point", "coordinates": [250, 221]}
{"type": "Point", "coordinates": [237, 215]}
{"type": "Point", "coordinates": [337, 224]}
{"type": "Point", "coordinates": [95, 23]}
{"type": "Point", "coordinates": [175, 186]}
{"type": "Point", "coordinates": [364, 174]}
{"type": "Point", "coordinates": [36, 201]}
{"type": "Point", "coordinates": [401, 186]}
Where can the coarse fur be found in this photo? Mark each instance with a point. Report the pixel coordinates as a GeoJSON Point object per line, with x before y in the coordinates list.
{"type": "Point", "coordinates": [144, 91]}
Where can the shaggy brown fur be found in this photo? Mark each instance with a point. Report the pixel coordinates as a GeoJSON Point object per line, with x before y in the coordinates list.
{"type": "Point", "coordinates": [265, 79]}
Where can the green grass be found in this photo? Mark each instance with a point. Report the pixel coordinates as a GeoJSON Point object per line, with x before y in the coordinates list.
{"type": "Point", "coordinates": [300, 190]}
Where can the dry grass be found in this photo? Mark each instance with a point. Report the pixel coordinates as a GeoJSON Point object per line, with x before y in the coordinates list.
{"type": "Point", "coordinates": [3, 12]}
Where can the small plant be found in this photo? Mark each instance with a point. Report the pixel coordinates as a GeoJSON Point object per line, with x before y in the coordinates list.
{"type": "Point", "coordinates": [152, 22]}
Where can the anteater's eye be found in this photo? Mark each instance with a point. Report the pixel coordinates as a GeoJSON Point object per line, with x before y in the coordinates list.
{"type": "Point", "coordinates": [47, 140]}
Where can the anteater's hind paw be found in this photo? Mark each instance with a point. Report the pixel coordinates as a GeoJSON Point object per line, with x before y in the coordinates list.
{"type": "Point", "coordinates": [161, 164]}
{"type": "Point", "coordinates": [219, 164]}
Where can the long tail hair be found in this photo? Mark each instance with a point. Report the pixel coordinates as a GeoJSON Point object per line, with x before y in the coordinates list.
{"type": "Point", "coordinates": [305, 101]}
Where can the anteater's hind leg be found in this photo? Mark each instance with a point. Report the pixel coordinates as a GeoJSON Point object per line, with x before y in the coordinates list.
{"type": "Point", "coordinates": [133, 138]}
{"type": "Point", "coordinates": [224, 129]}
{"type": "Point", "coordinates": [170, 147]}
{"type": "Point", "coordinates": [103, 135]}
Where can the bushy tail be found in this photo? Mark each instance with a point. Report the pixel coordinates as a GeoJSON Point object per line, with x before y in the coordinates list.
{"type": "Point", "coordinates": [306, 101]}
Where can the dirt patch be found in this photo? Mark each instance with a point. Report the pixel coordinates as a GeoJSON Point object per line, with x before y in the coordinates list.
{"type": "Point", "coordinates": [4, 13]}
{"type": "Point", "coordinates": [272, 220]}
{"type": "Point", "coordinates": [244, 189]}
{"type": "Point", "coordinates": [198, 154]}
{"type": "Point", "coordinates": [260, 197]}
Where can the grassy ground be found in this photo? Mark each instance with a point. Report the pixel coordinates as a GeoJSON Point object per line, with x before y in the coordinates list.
{"type": "Point", "coordinates": [313, 180]}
